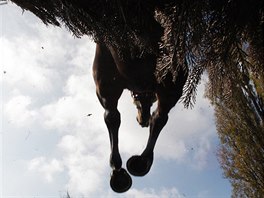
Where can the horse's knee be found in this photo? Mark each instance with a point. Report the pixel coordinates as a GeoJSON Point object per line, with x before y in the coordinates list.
{"type": "Point", "coordinates": [112, 118]}
{"type": "Point", "coordinates": [159, 119]}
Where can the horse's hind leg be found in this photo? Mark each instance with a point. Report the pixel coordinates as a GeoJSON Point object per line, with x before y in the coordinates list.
{"type": "Point", "coordinates": [167, 99]}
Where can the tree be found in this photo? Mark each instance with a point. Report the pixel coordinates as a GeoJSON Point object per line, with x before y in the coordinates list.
{"type": "Point", "coordinates": [239, 112]}
{"type": "Point", "coordinates": [223, 38]}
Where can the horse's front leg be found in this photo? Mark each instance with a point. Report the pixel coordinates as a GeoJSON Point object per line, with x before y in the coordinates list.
{"type": "Point", "coordinates": [112, 120]}
{"type": "Point", "coordinates": [167, 97]}
{"type": "Point", "coordinates": [109, 89]}
{"type": "Point", "coordinates": [139, 165]}
{"type": "Point", "coordinates": [120, 179]}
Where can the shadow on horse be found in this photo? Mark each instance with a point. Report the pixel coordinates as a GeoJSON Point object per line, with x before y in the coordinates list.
{"type": "Point", "coordinates": [112, 75]}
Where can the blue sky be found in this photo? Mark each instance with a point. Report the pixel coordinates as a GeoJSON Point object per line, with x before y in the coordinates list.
{"type": "Point", "coordinates": [50, 146]}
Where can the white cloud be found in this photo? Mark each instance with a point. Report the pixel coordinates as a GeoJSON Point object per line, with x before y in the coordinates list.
{"type": "Point", "coordinates": [153, 193]}
{"type": "Point", "coordinates": [77, 85]}
{"type": "Point", "coordinates": [17, 110]}
{"type": "Point", "coordinates": [83, 154]}
{"type": "Point", "coordinates": [45, 167]}
{"type": "Point", "coordinates": [23, 69]}
{"type": "Point", "coordinates": [41, 66]}
{"type": "Point", "coordinates": [201, 155]}
{"type": "Point", "coordinates": [83, 181]}
{"type": "Point", "coordinates": [70, 111]}
{"type": "Point", "coordinates": [85, 163]}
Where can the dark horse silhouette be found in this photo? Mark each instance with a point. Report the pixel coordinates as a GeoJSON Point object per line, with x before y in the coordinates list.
{"type": "Point", "coordinates": [112, 75]}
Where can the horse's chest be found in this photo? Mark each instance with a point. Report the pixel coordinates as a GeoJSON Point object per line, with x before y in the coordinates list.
{"type": "Point", "coordinates": [139, 80]}
{"type": "Point", "coordinates": [138, 73]}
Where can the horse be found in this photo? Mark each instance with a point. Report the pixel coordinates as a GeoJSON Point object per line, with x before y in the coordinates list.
{"type": "Point", "coordinates": [112, 75]}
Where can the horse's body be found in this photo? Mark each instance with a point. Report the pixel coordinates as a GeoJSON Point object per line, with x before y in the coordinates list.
{"type": "Point", "coordinates": [112, 75]}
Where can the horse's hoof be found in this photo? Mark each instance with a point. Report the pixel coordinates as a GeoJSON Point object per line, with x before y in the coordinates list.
{"type": "Point", "coordinates": [138, 165]}
{"type": "Point", "coordinates": [120, 180]}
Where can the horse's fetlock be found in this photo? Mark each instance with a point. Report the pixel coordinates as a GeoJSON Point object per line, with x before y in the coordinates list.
{"type": "Point", "coordinates": [115, 161]}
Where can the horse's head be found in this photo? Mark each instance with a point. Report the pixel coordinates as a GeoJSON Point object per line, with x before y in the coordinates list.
{"type": "Point", "coordinates": [143, 102]}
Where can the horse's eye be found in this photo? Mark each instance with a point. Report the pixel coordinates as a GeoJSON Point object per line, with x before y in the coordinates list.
{"type": "Point", "coordinates": [136, 96]}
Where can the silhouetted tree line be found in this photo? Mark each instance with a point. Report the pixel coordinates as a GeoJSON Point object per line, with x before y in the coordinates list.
{"type": "Point", "coordinates": [223, 38]}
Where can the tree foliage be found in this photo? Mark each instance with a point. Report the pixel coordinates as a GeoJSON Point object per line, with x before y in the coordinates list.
{"type": "Point", "coordinates": [239, 114]}
{"type": "Point", "coordinates": [223, 38]}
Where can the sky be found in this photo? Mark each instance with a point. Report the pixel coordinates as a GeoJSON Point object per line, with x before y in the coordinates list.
{"type": "Point", "coordinates": [49, 146]}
